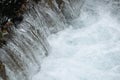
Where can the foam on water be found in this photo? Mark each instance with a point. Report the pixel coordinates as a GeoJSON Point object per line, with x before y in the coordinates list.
{"type": "Point", "coordinates": [88, 53]}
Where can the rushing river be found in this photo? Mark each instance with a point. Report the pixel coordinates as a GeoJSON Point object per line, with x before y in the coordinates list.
{"type": "Point", "coordinates": [88, 50]}
{"type": "Point", "coordinates": [77, 40]}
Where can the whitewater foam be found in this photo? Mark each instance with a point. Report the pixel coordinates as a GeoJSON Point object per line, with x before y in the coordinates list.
{"type": "Point", "coordinates": [89, 52]}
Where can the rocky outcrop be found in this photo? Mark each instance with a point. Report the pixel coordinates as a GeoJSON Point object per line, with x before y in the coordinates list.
{"type": "Point", "coordinates": [28, 45]}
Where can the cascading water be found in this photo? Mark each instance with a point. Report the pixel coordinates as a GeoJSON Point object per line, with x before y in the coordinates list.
{"type": "Point", "coordinates": [24, 52]}
{"type": "Point", "coordinates": [87, 50]}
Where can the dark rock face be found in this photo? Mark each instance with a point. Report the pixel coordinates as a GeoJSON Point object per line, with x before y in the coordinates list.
{"type": "Point", "coordinates": [2, 71]}
{"type": "Point", "coordinates": [36, 1]}
{"type": "Point", "coordinates": [13, 8]}
{"type": "Point", "coordinates": [10, 14]}
{"type": "Point", "coordinates": [9, 9]}
{"type": "Point", "coordinates": [59, 2]}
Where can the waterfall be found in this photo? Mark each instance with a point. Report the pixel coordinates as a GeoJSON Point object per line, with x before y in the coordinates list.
{"type": "Point", "coordinates": [23, 54]}
{"type": "Point", "coordinates": [33, 40]}
{"type": "Point", "coordinates": [89, 48]}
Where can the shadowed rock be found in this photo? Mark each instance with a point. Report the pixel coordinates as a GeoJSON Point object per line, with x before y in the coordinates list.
{"type": "Point", "coordinates": [2, 71]}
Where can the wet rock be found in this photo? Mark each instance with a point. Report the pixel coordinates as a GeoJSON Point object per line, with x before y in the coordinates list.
{"type": "Point", "coordinates": [59, 2]}
{"type": "Point", "coordinates": [2, 71]}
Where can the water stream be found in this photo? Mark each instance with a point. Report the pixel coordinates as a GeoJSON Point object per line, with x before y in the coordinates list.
{"type": "Point", "coordinates": [87, 50]}
{"type": "Point", "coordinates": [80, 41]}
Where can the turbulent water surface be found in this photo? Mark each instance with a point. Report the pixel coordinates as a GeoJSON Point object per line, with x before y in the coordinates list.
{"type": "Point", "coordinates": [89, 49]}
{"type": "Point", "coordinates": [77, 40]}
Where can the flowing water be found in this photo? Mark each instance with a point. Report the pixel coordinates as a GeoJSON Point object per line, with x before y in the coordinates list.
{"type": "Point", "coordinates": [88, 50]}
{"type": "Point", "coordinates": [78, 42]}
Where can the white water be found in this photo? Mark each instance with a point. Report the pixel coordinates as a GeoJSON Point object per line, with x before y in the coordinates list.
{"type": "Point", "coordinates": [88, 50]}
